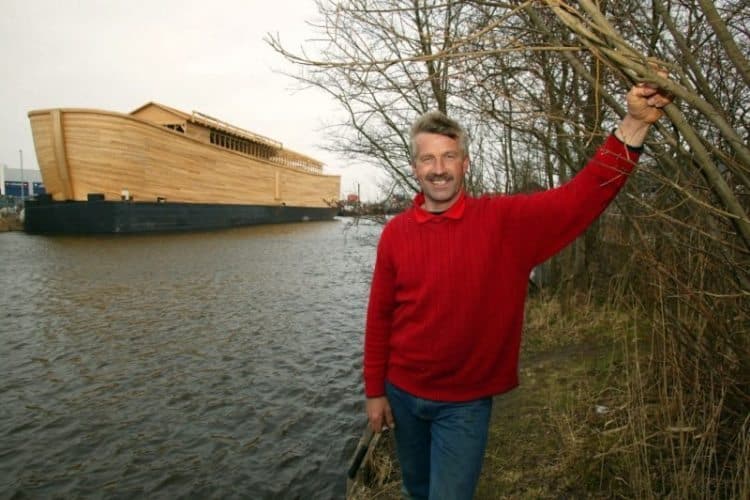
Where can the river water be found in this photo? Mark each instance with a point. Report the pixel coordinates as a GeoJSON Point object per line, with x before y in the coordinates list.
{"type": "Point", "coordinates": [205, 365]}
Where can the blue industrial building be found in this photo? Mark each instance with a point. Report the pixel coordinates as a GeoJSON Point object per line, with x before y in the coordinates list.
{"type": "Point", "coordinates": [18, 183]}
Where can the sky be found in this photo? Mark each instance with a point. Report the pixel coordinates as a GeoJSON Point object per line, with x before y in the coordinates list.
{"type": "Point", "coordinates": [207, 56]}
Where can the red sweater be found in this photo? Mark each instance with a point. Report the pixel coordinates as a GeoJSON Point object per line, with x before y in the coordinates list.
{"type": "Point", "coordinates": [447, 299]}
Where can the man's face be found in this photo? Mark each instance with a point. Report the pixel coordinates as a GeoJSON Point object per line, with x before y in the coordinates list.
{"type": "Point", "coordinates": [439, 167]}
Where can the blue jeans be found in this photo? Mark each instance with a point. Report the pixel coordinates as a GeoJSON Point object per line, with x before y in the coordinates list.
{"type": "Point", "coordinates": [440, 445]}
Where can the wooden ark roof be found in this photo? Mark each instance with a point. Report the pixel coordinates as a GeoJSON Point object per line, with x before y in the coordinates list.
{"type": "Point", "coordinates": [151, 104]}
{"type": "Point", "coordinates": [210, 122]}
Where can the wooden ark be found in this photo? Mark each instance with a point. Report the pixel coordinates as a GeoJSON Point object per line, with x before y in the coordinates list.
{"type": "Point", "coordinates": [160, 155]}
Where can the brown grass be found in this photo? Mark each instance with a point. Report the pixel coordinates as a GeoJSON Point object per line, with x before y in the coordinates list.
{"type": "Point", "coordinates": [612, 403]}
{"type": "Point", "coordinates": [10, 223]}
{"type": "Point", "coordinates": [533, 444]}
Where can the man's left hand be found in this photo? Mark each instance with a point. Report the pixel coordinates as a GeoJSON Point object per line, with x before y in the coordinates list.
{"type": "Point", "coordinates": [646, 102]}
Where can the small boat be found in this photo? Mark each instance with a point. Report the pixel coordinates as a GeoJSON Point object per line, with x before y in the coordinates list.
{"type": "Point", "coordinates": [161, 169]}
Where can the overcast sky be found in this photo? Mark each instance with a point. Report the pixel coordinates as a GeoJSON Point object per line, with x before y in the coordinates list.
{"type": "Point", "coordinates": [207, 56]}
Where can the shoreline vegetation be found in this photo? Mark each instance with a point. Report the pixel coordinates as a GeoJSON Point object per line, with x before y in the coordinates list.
{"type": "Point", "coordinates": [533, 450]}
{"type": "Point", "coordinates": [669, 417]}
{"type": "Point", "coordinates": [10, 222]}
{"type": "Point", "coordinates": [562, 433]}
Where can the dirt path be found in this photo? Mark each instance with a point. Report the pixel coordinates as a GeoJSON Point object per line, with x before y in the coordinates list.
{"type": "Point", "coordinates": [527, 447]}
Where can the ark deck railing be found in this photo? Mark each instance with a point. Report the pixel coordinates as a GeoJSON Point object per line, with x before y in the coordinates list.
{"type": "Point", "coordinates": [212, 122]}
{"type": "Point", "coordinates": [282, 157]}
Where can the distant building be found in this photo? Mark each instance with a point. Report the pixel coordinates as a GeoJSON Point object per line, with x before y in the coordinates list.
{"type": "Point", "coordinates": [20, 183]}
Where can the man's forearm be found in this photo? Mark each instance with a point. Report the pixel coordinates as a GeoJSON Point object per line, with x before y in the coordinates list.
{"type": "Point", "coordinates": [632, 131]}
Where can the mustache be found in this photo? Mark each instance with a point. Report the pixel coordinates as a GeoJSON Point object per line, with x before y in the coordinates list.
{"type": "Point", "coordinates": [439, 177]}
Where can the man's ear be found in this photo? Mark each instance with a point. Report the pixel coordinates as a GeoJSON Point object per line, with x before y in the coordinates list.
{"type": "Point", "coordinates": [465, 166]}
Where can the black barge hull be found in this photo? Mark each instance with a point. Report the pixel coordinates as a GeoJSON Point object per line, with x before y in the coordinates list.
{"type": "Point", "coordinates": [104, 217]}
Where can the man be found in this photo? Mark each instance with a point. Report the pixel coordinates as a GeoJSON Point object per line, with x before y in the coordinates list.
{"type": "Point", "coordinates": [446, 306]}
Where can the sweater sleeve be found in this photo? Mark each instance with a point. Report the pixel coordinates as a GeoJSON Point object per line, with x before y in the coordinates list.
{"type": "Point", "coordinates": [379, 319]}
{"type": "Point", "coordinates": [544, 223]}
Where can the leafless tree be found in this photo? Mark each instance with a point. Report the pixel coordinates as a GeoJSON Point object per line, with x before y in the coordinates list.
{"type": "Point", "coordinates": [539, 84]}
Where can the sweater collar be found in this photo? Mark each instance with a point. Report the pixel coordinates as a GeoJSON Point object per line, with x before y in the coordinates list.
{"type": "Point", "coordinates": [455, 211]}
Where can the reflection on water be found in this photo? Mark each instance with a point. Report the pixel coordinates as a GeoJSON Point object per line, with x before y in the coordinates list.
{"type": "Point", "coordinates": [216, 365]}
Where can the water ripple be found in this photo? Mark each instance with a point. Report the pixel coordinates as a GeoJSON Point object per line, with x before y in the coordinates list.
{"type": "Point", "coordinates": [211, 365]}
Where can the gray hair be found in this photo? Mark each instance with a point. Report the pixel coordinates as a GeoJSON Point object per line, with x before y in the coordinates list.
{"type": "Point", "coordinates": [435, 122]}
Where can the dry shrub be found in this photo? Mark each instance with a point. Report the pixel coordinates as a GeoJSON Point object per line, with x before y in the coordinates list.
{"type": "Point", "coordinates": [548, 326]}
{"type": "Point", "coordinates": [379, 476]}
{"type": "Point", "coordinates": [683, 391]}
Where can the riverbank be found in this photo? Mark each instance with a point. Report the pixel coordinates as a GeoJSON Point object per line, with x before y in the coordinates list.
{"type": "Point", "coordinates": [531, 451]}
{"type": "Point", "coordinates": [10, 222]}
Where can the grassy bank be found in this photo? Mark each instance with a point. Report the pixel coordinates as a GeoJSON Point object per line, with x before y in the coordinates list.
{"type": "Point", "coordinates": [10, 223]}
{"type": "Point", "coordinates": [534, 449]}
{"type": "Point", "coordinates": [615, 402]}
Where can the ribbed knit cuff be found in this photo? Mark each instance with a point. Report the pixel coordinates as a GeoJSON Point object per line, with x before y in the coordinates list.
{"type": "Point", "coordinates": [374, 390]}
